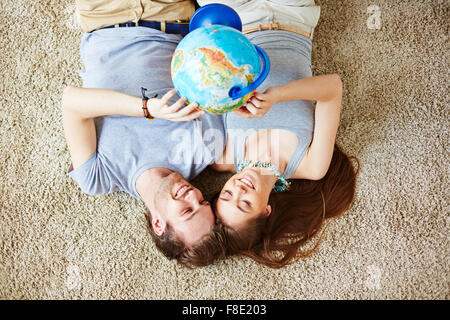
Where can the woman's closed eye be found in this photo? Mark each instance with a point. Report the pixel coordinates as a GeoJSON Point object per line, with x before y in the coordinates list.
{"type": "Point", "coordinates": [226, 195]}
{"type": "Point", "coordinates": [246, 204]}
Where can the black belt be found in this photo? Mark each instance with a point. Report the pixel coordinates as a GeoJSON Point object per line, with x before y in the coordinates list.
{"type": "Point", "coordinates": [170, 27]}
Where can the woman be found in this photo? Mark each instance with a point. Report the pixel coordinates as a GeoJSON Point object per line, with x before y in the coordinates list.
{"type": "Point", "coordinates": [262, 214]}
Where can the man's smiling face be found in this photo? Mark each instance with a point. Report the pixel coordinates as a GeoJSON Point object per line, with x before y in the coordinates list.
{"type": "Point", "coordinates": [184, 208]}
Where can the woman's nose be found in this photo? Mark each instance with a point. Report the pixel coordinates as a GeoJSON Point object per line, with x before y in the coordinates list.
{"type": "Point", "coordinates": [240, 186]}
{"type": "Point", "coordinates": [239, 190]}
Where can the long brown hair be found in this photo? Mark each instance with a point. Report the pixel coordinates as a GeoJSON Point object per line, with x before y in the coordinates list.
{"type": "Point", "coordinates": [297, 215]}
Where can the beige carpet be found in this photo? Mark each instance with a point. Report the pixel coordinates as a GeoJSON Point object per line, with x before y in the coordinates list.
{"type": "Point", "coordinates": [58, 243]}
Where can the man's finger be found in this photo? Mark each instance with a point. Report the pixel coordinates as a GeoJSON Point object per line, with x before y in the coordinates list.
{"type": "Point", "coordinates": [165, 98]}
{"type": "Point", "coordinates": [176, 106]}
{"type": "Point", "coordinates": [186, 110]}
{"type": "Point", "coordinates": [191, 116]}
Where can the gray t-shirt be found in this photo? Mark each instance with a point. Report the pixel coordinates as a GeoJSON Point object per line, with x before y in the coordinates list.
{"type": "Point", "coordinates": [126, 59]}
{"type": "Point", "coordinates": [290, 59]}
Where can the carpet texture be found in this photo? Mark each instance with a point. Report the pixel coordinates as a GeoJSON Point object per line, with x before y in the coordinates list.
{"type": "Point", "coordinates": [57, 243]}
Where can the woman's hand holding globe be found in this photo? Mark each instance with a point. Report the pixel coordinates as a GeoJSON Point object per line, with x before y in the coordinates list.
{"type": "Point", "coordinates": [259, 104]}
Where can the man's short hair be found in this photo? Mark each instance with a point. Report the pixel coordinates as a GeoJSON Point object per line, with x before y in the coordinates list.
{"type": "Point", "coordinates": [207, 250]}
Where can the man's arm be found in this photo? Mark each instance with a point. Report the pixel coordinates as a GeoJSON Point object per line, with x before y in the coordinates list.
{"type": "Point", "coordinates": [79, 108]}
{"type": "Point", "coordinates": [81, 105]}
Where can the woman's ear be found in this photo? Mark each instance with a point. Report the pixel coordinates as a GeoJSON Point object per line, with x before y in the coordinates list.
{"type": "Point", "coordinates": [159, 226]}
{"type": "Point", "coordinates": [268, 211]}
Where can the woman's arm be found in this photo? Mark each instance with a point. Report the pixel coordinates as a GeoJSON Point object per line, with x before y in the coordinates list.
{"type": "Point", "coordinates": [317, 88]}
{"type": "Point", "coordinates": [327, 91]}
{"type": "Point", "coordinates": [81, 105]}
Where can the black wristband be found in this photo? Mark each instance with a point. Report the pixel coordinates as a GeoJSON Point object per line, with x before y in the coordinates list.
{"type": "Point", "coordinates": [144, 104]}
{"type": "Point", "coordinates": [144, 97]}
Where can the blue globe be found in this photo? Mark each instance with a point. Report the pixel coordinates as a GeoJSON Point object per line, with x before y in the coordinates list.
{"type": "Point", "coordinates": [210, 61]}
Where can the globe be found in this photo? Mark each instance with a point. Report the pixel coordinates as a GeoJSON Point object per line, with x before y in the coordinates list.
{"type": "Point", "coordinates": [209, 62]}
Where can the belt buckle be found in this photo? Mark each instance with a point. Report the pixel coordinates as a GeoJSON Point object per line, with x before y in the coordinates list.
{"type": "Point", "coordinates": [274, 26]}
{"type": "Point", "coordinates": [181, 21]}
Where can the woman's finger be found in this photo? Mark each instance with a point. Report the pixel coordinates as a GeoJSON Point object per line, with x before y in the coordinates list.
{"type": "Point", "coordinates": [260, 96]}
{"type": "Point", "coordinates": [251, 108]}
{"type": "Point", "coordinates": [257, 103]}
{"type": "Point", "coordinates": [243, 112]}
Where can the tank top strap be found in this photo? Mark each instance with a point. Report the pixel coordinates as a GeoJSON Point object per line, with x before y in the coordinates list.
{"type": "Point", "coordinates": [239, 150]}
{"type": "Point", "coordinates": [297, 157]}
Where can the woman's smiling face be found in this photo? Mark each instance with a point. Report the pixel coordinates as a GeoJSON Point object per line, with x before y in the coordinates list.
{"type": "Point", "coordinates": [244, 197]}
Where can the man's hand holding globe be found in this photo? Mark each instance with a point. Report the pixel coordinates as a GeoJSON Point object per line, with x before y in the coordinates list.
{"type": "Point", "coordinates": [160, 108]}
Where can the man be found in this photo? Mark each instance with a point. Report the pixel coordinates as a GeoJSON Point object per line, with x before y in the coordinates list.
{"type": "Point", "coordinates": [121, 149]}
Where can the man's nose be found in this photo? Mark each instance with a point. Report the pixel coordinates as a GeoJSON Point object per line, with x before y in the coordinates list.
{"type": "Point", "coordinates": [193, 199]}
{"type": "Point", "coordinates": [192, 196]}
{"type": "Point", "coordinates": [189, 194]}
